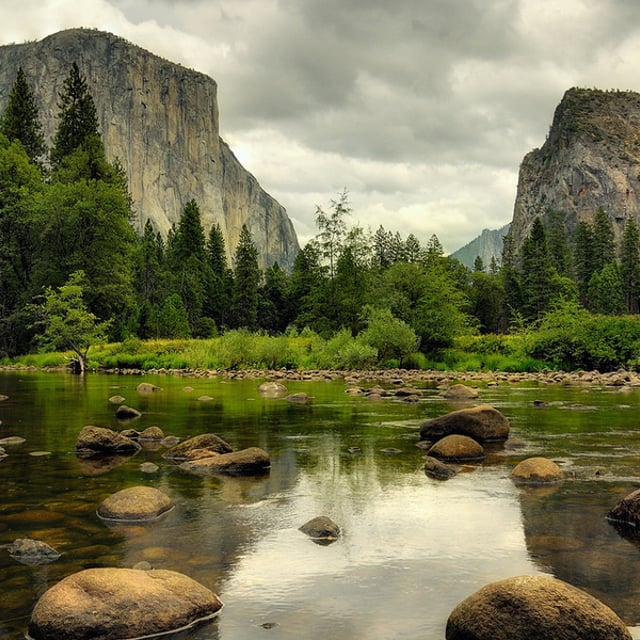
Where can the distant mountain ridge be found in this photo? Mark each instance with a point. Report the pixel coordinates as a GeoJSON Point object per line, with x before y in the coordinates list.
{"type": "Point", "coordinates": [161, 121]}
{"type": "Point", "coordinates": [487, 245]}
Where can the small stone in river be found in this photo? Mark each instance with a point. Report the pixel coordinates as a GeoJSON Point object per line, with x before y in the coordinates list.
{"type": "Point", "coordinates": [116, 399]}
{"type": "Point", "coordinates": [123, 412]}
{"type": "Point", "coordinates": [149, 467]}
{"type": "Point", "coordinates": [205, 398]}
{"type": "Point", "coordinates": [32, 552]}
{"type": "Point", "coordinates": [39, 454]}
{"type": "Point", "coordinates": [10, 441]}
{"type": "Point", "coordinates": [321, 527]}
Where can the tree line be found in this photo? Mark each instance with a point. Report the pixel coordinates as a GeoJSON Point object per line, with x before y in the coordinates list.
{"type": "Point", "coordinates": [67, 246]}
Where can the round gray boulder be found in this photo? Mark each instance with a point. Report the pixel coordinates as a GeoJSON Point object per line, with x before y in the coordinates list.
{"type": "Point", "coordinates": [112, 604]}
{"type": "Point", "coordinates": [460, 392]}
{"type": "Point", "coordinates": [533, 608]}
{"type": "Point", "coordinates": [135, 504]}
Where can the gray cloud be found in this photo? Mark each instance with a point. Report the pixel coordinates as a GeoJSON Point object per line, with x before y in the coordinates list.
{"type": "Point", "coordinates": [423, 109]}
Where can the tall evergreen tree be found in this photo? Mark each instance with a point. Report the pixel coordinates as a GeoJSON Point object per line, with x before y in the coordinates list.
{"type": "Point", "coordinates": [307, 284]}
{"type": "Point", "coordinates": [558, 243]}
{"type": "Point", "coordinates": [220, 283]}
{"type": "Point", "coordinates": [510, 277]}
{"type": "Point", "coordinates": [247, 276]}
{"type": "Point", "coordinates": [382, 240]}
{"type": "Point", "coordinates": [77, 118]}
{"type": "Point", "coordinates": [604, 248]}
{"type": "Point", "coordinates": [21, 121]}
{"type": "Point", "coordinates": [630, 265]}
{"type": "Point", "coordinates": [606, 293]}
{"type": "Point", "coordinates": [413, 250]}
{"type": "Point", "coordinates": [537, 273]}
{"type": "Point", "coordinates": [275, 303]}
{"type": "Point", "coordinates": [188, 263]}
{"type": "Point", "coordinates": [583, 256]}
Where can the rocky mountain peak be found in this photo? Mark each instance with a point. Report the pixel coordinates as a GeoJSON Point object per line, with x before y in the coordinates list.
{"type": "Point", "coordinates": [590, 159]}
{"type": "Point", "coordinates": [161, 121]}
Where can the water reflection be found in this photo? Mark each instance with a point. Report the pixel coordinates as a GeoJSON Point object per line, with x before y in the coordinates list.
{"type": "Point", "coordinates": [411, 547]}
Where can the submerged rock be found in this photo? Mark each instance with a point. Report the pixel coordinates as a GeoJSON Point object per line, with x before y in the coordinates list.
{"type": "Point", "coordinates": [437, 469]}
{"type": "Point", "coordinates": [194, 447]}
{"type": "Point", "coordinates": [272, 389]}
{"type": "Point", "coordinates": [154, 434]}
{"type": "Point", "coordinates": [321, 527]}
{"type": "Point", "coordinates": [533, 608]}
{"type": "Point", "coordinates": [123, 412]}
{"type": "Point", "coordinates": [94, 440]}
{"type": "Point", "coordinates": [135, 504]}
{"type": "Point", "coordinates": [112, 604]}
{"type": "Point", "coordinates": [12, 441]}
{"type": "Point", "coordinates": [145, 388]}
{"type": "Point", "coordinates": [32, 552]}
{"type": "Point", "coordinates": [483, 423]}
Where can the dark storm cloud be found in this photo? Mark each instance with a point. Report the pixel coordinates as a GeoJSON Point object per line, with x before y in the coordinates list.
{"type": "Point", "coordinates": [423, 109]}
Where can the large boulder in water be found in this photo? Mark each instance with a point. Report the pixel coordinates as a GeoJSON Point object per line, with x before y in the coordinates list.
{"type": "Point", "coordinates": [456, 448]}
{"type": "Point", "coordinates": [100, 440]}
{"type": "Point", "coordinates": [537, 470]}
{"type": "Point", "coordinates": [135, 504]}
{"type": "Point", "coordinates": [482, 423]}
{"type": "Point", "coordinates": [112, 604]}
{"type": "Point", "coordinates": [627, 511]}
{"type": "Point", "coordinates": [460, 392]}
{"type": "Point", "coordinates": [533, 608]}
{"type": "Point", "coordinates": [236, 463]}
{"type": "Point", "coordinates": [197, 447]}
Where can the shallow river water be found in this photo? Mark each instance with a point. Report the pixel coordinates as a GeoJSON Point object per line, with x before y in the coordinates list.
{"type": "Point", "coordinates": [412, 547]}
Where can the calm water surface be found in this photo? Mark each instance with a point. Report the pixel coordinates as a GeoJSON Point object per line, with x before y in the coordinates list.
{"type": "Point", "coordinates": [412, 547]}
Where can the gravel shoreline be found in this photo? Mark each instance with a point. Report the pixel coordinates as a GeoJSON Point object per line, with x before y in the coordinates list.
{"type": "Point", "coordinates": [619, 378]}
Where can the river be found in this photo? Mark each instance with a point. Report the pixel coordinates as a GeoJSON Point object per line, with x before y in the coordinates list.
{"type": "Point", "coordinates": [411, 547]}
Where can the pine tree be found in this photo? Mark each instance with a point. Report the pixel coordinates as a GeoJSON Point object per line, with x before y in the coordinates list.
{"type": "Point", "coordinates": [382, 240]}
{"type": "Point", "coordinates": [275, 302]}
{"type": "Point", "coordinates": [605, 292]}
{"type": "Point", "coordinates": [604, 248]}
{"type": "Point", "coordinates": [478, 264]}
{"type": "Point", "coordinates": [20, 120]}
{"type": "Point", "coordinates": [413, 251]}
{"type": "Point", "coordinates": [537, 273]}
{"type": "Point", "coordinates": [510, 277]}
{"type": "Point", "coordinates": [220, 282]}
{"type": "Point", "coordinates": [558, 243]}
{"type": "Point", "coordinates": [188, 264]}
{"type": "Point", "coordinates": [77, 116]}
{"type": "Point", "coordinates": [583, 257]}
{"type": "Point", "coordinates": [630, 265]}
{"type": "Point", "coordinates": [247, 277]}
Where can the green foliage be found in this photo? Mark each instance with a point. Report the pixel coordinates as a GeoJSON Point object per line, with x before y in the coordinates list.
{"type": "Point", "coordinates": [391, 337]}
{"type": "Point", "coordinates": [66, 323]}
{"type": "Point", "coordinates": [571, 338]}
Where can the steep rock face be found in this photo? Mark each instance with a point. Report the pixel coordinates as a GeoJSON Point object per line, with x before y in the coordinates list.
{"type": "Point", "coordinates": [161, 121]}
{"type": "Point", "coordinates": [591, 159]}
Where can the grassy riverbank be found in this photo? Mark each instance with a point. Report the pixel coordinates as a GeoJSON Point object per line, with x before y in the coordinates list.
{"type": "Point", "coordinates": [237, 350]}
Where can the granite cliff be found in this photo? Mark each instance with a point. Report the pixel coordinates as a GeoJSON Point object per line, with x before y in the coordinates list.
{"type": "Point", "coordinates": [161, 121]}
{"type": "Point", "coordinates": [591, 159]}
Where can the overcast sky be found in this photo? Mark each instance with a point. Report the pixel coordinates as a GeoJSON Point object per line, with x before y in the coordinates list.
{"type": "Point", "coordinates": [421, 109]}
